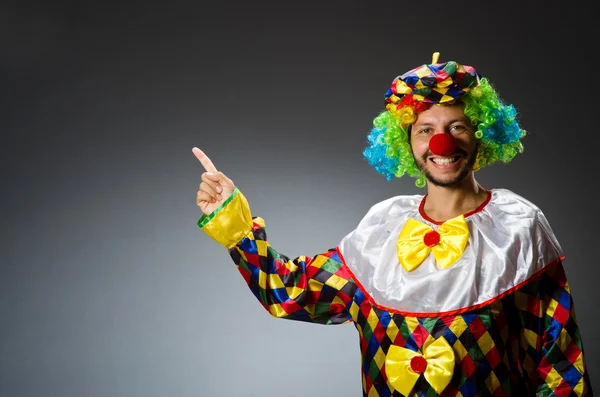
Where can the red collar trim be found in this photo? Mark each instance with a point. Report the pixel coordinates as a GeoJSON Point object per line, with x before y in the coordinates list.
{"type": "Point", "coordinates": [476, 210]}
{"type": "Point", "coordinates": [455, 312]}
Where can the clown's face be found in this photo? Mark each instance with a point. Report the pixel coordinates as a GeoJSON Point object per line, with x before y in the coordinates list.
{"type": "Point", "coordinates": [446, 170]}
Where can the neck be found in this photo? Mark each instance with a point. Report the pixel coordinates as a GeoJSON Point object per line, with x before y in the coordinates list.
{"type": "Point", "coordinates": [443, 203]}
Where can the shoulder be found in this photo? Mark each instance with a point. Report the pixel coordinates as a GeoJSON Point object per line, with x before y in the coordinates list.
{"type": "Point", "coordinates": [393, 208]}
{"type": "Point", "coordinates": [379, 223]}
{"type": "Point", "coordinates": [504, 198]}
{"type": "Point", "coordinates": [507, 204]}
{"type": "Point", "coordinates": [517, 216]}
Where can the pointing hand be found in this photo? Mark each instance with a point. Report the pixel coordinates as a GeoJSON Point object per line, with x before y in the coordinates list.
{"type": "Point", "coordinates": [215, 187]}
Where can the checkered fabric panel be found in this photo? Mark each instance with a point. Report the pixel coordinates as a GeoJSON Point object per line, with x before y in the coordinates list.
{"type": "Point", "coordinates": [316, 289]}
{"type": "Point", "coordinates": [483, 367]}
{"type": "Point", "coordinates": [554, 357]}
{"type": "Point", "coordinates": [525, 344]}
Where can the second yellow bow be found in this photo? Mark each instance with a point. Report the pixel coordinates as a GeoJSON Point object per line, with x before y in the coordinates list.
{"type": "Point", "coordinates": [417, 240]}
{"type": "Point", "coordinates": [404, 367]}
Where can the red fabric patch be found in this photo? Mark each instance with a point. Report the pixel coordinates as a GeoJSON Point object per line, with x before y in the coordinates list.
{"type": "Point", "coordinates": [468, 366]}
{"type": "Point", "coordinates": [572, 352]}
{"type": "Point", "coordinates": [493, 358]}
{"type": "Point", "coordinates": [252, 259]}
{"type": "Point", "coordinates": [448, 320]}
{"type": "Point", "coordinates": [368, 383]}
{"type": "Point", "coordinates": [310, 270]}
{"type": "Point", "coordinates": [544, 368]}
{"type": "Point", "coordinates": [302, 282]}
{"type": "Point", "coordinates": [245, 274]}
{"type": "Point", "coordinates": [379, 332]}
{"type": "Point", "coordinates": [501, 320]}
{"type": "Point", "coordinates": [563, 389]}
{"type": "Point", "coordinates": [420, 335]}
{"type": "Point", "coordinates": [312, 296]}
{"type": "Point", "coordinates": [561, 314]}
{"type": "Point", "coordinates": [365, 309]}
{"type": "Point", "coordinates": [399, 340]}
{"type": "Point", "coordinates": [290, 306]}
{"type": "Point", "coordinates": [336, 308]}
{"type": "Point", "coordinates": [343, 273]}
{"type": "Point", "coordinates": [477, 328]}
{"type": "Point", "coordinates": [441, 76]}
{"type": "Point", "coordinates": [533, 306]}
{"type": "Point", "coordinates": [499, 392]}
{"type": "Point", "coordinates": [280, 267]}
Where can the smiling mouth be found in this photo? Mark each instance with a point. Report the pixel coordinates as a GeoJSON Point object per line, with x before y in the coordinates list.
{"type": "Point", "coordinates": [445, 160]}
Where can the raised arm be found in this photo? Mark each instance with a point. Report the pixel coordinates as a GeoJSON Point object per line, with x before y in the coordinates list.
{"type": "Point", "coordinates": [308, 288]}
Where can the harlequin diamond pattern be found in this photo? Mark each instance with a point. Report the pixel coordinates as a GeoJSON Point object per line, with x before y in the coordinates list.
{"type": "Point", "coordinates": [526, 343]}
{"type": "Point", "coordinates": [478, 356]}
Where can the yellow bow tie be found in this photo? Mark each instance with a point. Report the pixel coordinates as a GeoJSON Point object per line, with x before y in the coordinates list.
{"type": "Point", "coordinates": [404, 366]}
{"type": "Point", "coordinates": [417, 240]}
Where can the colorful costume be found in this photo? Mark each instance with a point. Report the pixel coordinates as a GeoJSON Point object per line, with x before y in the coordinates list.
{"type": "Point", "coordinates": [478, 305]}
{"type": "Point", "coordinates": [498, 322]}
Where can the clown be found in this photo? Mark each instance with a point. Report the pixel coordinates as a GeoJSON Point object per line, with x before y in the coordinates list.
{"type": "Point", "coordinates": [497, 130]}
{"type": "Point", "coordinates": [457, 292]}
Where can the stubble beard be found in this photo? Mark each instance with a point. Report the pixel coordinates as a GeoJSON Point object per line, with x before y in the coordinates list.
{"type": "Point", "coordinates": [466, 169]}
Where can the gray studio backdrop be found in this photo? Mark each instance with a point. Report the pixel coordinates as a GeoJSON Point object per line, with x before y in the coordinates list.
{"type": "Point", "coordinates": [107, 286]}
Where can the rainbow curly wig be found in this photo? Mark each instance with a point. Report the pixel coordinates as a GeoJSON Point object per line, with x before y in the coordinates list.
{"type": "Point", "coordinates": [497, 130]}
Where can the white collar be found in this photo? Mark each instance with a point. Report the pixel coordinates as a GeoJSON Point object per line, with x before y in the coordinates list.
{"type": "Point", "coordinates": [510, 241]}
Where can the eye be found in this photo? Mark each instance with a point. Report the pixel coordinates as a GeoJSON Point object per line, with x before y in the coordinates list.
{"type": "Point", "coordinates": [425, 130]}
{"type": "Point", "coordinates": [458, 128]}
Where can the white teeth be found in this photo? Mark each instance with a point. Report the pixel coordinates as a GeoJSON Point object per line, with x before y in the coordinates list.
{"type": "Point", "coordinates": [444, 161]}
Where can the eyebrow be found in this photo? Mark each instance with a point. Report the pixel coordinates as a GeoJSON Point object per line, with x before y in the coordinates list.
{"type": "Point", "coordinates": [428, 124]}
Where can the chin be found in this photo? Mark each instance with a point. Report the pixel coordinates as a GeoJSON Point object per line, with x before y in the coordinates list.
{"type": "Point", "coordinates": [445, 183]}
{"type": "Point", "coordinates": [452, 179]}
{"type": "Point", "coordinates": [448, 181]}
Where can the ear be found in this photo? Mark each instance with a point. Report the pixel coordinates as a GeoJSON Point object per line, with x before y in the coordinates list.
{"type": "Point", "coordinates": [409, 135]}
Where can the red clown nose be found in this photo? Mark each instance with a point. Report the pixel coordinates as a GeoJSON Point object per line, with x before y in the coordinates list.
{"type": "Point", "coordinates": [442, 144]}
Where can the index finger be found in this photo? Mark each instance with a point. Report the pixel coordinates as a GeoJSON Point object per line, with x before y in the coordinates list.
{"type": "Point", "coordinates": [204, 160]}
